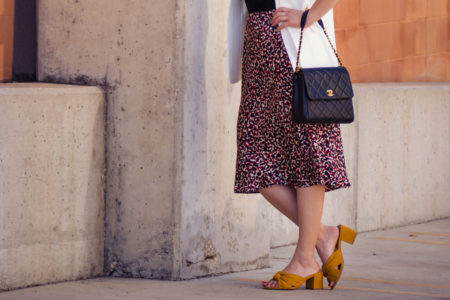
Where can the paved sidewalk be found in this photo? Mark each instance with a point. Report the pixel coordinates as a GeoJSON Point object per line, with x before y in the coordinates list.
{"type": "Point", "coordinates": [411, 262]}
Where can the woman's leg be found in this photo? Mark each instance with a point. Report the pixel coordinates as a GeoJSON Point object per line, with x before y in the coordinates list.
{"type": "Point", "coordinates": [309, 210]}
{"type": "Point", "coordinates": [284, 198]}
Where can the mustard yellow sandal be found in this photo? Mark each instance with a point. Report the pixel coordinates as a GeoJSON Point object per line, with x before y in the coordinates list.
{"type": "Point", "coordinates": [334, 265]}
{"type": "Point", "coordinates": [288, 281]}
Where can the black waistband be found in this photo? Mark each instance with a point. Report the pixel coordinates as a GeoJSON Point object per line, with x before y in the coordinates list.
{"type": "Point", "coordinates": [259, 5]}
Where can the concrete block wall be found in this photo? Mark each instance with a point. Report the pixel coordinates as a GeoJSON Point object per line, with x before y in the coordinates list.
{"type": "Point", "coordinates": [403, 154]}
{"type": "Point", "coordinates": [52, 156]}
{"type": "Point", "coordinates": [397, 154]}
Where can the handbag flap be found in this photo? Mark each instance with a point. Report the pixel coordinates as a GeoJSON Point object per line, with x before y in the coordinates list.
{"type": "Point", "coordinates": [327, 83]}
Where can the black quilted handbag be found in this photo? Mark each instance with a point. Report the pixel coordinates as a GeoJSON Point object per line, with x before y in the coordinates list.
{"type": "Point", "coordinates": [321, 95]}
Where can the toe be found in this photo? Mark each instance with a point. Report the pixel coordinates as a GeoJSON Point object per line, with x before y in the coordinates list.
{"type": "Point", "coordinates": [273, 283]}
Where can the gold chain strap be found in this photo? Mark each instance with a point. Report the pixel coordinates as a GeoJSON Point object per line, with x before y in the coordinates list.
{"type": "Point", "coordinates": [297, 68]}
{"type": "Point", "coordinates": [331, 44]}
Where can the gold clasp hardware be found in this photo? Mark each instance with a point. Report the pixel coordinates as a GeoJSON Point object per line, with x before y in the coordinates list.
{"type": "Point", "coordinates": [330, 93]}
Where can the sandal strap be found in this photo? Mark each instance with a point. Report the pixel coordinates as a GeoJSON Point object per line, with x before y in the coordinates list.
{"type": "Point", "coordinates": [329, 268]}
{"type": "Point", "coordinates": [287, 280]}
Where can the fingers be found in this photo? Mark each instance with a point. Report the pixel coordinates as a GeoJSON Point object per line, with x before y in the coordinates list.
{"type": "Point", "coordinates": [282, 26]}
{"type": "Point", "coordinates": [287, 17]}
{"type": "Point", "coordinates": [279, 17]}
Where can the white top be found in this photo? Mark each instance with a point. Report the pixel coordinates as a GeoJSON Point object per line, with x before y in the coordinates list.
{"type": "Point", "coordinates": [316, 51]}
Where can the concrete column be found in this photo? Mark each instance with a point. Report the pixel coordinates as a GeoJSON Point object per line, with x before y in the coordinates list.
{"type": "Point", "coordinates": [170, 208]}
{"type": "Point", "coordinates": [219, 231]}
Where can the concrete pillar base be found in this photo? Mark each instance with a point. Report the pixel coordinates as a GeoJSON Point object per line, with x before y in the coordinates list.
{"type": "Point", "coordinates": [51, 183]}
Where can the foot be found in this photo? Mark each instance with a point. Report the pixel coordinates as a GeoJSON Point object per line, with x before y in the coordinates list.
{"type": "Point", "coordinates": [326, 243]}
{"type": "Point", "coordinates": [296, 268]}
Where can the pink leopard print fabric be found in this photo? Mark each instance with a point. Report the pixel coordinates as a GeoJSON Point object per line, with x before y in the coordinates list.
{"type": "Point", "coordinates": [271, 149]}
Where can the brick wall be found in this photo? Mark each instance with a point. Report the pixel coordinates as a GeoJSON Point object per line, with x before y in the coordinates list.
{"type": "Point", "coordinates": [6, 38]}
{"type": "Point", "coordinates": [378, 40]}
{"type": "Point", "coordinates": [394, 40]}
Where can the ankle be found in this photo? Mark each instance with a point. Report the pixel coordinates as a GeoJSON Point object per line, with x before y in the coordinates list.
{"type": "Point", "coordinates": [326, 234]}
{"type": "Point", "coordinates": [304, 261]}
{"type": "Point", "coordinates": [323, 235]}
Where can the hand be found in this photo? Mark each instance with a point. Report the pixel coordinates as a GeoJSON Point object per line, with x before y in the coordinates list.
{"type": "Point", "coordinates": [287, 17]}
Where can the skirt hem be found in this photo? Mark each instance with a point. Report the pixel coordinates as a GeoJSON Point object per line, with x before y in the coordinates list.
{"type": "Point", "coordinates": [255, 190]}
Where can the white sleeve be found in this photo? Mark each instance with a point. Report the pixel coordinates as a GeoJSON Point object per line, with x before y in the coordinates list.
{"type": "Point", "coordinates": [237, 17]}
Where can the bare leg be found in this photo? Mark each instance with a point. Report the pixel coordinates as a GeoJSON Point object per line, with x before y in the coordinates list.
{"type": "Point", "coordinates": [284, 198]}
{"type": "Point", "coordinates": [309, 209]}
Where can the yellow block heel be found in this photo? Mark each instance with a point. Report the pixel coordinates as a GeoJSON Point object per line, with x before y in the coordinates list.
{"type": "Point", "coordinates": [334, 266]}
{"type": "Point", "coordinates": [347, 234]}
{"type": "Point", "coordinates": [315, 282]}
{"type": "Point", "coordinates": [288, 281]}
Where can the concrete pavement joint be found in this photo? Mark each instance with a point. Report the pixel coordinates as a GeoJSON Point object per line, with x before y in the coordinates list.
{"type": "Point", "coordinates": [441, 296]}
{"type": "Point", "coordinates": [413, 241]}
{"type": "Point", "coordinates": [428, 285]}
{"type": "Point", "coordinates": [430, 233]}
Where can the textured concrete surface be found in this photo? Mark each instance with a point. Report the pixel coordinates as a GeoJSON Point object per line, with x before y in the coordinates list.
{"type": "Point", "coordinates": [51, 183]}
{"type": "Point", "coordinates": [403, 154]}
{"type": "Point", "coordinates": [396, 154]}
{"type": "Point", "coordinates": [408, 263]}
{"type": "Point", "coordinates": [130, 48]}
{"type": "Point", "coordinates": [171, 115]}
{"type": "Point", "coordinates": [219, 230]}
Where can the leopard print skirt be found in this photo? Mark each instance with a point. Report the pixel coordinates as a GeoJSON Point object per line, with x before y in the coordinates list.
{"type": "Point", "coordinates": [271, 149]}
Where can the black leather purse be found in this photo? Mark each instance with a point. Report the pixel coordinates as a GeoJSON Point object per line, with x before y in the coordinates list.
{"type": "Point", "coordinates": [321, 95]}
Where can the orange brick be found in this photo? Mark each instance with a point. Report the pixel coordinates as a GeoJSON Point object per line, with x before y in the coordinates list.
{"type": "Point", "coordinates": [410, 43]}
{"type": "Point", "coordinates": [413, 37]}
{"type": "Point", "coordinates": [363, 73]}
{"type": "Point", "coordinates": [384, 41]}
{"type": "Point", "coordinates": [391, 71]}
{"type": "Point", "coordinates": [415, 9]}
{"type": "Point", "coordinates": [447, 78]}
{"type": "Point", "coordinates": [6, 46]}
{"type": "Point", "coordinates": [6, 29]}
{"type": "Point", "coordinates": [437, 34]}
{"type": "Point", "coordinates": [437, 8]}
{"type": "Point", "coordinates": [341, 45]}
{"type": "Point", "coordinates": [447, 38]}
{"type": "Point", "coordinates": [400, 70]}
{"type": "Point", "coordinates": [354, 48]}
{"type": "Point", "coordinates": [413, 68]}
{"type": "Point", "coordinates": [5, 57]}
{"type": "Point", "coordinates": [5, 74]}
{"type": "Point", "coordinates": [6, 7]}
{"type": "Point", "coordinates": [346, 14]}
{"type": "Point", "coordinates": [380, 11]}
{"type": "Point", "coordinates": [437, 67]}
